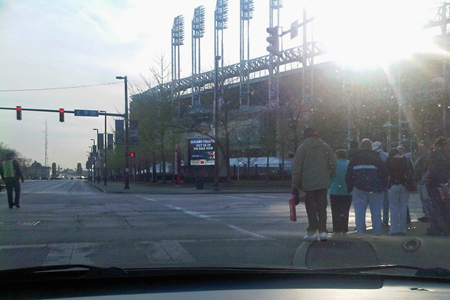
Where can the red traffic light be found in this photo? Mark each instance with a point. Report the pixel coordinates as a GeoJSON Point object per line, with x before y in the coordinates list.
{"type": "Point", "coordinates": [61, 114]}
{"type": "Point", "coordinates": [132, 154]}
{"type": "Point", "coordinates": [19, 112]}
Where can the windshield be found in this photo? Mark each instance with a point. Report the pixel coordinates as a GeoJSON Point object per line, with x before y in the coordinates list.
{"type": "Point", "coordinates": [281, 134]}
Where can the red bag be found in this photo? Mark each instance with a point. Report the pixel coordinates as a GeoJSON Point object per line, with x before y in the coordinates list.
{"type": "Point", "coordinates": [292, 212]}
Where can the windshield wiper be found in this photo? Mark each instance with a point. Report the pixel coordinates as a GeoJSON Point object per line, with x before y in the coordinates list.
{"type": "Point", "coordinates": [87, 271]}
{"type": "Point", "coordinates": [423, 272]}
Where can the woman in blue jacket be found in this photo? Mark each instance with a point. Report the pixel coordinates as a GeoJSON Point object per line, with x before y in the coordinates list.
{"type": "Point", "coordinates": [340, 198]}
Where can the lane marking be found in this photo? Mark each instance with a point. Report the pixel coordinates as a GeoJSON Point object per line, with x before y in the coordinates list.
{"type": "Point", "coordinates": [121, 244]}
{"type": "Point", "coordinates": [59, 255]}
{"type": "Point", "coordinates": [176, 252]}
{"type": "Point", "coordinates": [68, 254]}
{"type": "Point", "coordinates": [205, 217]}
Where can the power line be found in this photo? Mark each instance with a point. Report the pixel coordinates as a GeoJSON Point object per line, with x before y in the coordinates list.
{"type": "Point", "coordinates": [60, 88]}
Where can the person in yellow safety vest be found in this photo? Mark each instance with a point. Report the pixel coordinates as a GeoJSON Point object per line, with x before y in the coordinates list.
{"type": "Point", "coordinates": [11, 173]}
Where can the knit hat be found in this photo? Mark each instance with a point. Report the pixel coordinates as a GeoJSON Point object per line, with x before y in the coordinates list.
{"type": "Point", "coordinates": [376, 145]}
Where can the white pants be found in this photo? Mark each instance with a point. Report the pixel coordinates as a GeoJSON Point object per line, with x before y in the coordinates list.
{"type": "Point", "coordinates": [398, 205]}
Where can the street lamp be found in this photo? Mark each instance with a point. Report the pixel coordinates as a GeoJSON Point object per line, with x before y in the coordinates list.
{"type": "Point", "coordinates": [127, 128]}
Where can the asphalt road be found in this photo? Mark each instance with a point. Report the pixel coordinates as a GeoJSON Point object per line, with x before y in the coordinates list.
{"type": "Point", "coordinates": [70, 221]}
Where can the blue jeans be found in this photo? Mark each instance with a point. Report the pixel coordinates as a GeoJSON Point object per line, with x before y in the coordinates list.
{"type": "Point", "coordinates": [385, 207]}
{"type": "Point", "coordinates": [424, 198]}
{"type": "Point", "coordinates": [361, 200]}
{"type": "Point", "coordinates": [398, 200]}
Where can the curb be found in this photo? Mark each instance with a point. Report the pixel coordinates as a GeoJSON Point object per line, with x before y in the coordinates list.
{"type": "Point", "coordinates": [96, 186]}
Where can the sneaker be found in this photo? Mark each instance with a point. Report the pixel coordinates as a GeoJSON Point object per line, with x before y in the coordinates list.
{"type": "Point", "coordinates": [323, 236]}
{"type": "Point", "coordinates": [310, 238]}
{"type": "Point", "coordinates": [17, 205]}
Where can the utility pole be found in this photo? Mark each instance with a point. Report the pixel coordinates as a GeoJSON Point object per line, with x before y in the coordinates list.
{"type": "Point", "coordinates": [46, 145]}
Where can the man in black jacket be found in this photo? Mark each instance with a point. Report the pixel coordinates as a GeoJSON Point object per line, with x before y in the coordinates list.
{"type": "Point", "coordinates": [11, 173]}
{"type": "Point", "coordinates": [366, 179]}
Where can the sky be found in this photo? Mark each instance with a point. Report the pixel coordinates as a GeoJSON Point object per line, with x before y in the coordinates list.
{"type": "Point", "coordinates": [48, 44]}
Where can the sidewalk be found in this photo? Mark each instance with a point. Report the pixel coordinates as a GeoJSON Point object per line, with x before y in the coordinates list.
{"type": "Point", "coordinates": [171, 189]}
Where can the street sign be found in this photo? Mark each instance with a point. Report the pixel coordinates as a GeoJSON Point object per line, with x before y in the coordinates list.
{"type": "Point", "coordinates": [85, 113]}
{"type": "Point", "coordinates": [294, 29]}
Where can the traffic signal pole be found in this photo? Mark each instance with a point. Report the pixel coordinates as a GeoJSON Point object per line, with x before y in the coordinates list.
{"type": "Point", "coordinates": [127, 134]}
{"type": "Point", "coordinates": [56, 111]}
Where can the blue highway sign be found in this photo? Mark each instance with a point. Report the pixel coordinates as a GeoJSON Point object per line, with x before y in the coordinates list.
{"type": "Point", "coordinates": [85, 113]}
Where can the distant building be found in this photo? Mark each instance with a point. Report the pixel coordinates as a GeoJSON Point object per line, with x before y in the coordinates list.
{"type": "Point", "coordinates": [36, 170]}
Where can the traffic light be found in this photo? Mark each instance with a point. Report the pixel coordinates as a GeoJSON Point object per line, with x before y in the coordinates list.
{"type": "Point", "coordinates": [274, 40]}
{"type": "Point", "coordinates": [132, 154]}
{"type": "Point", "coordinates": [19, 112]}
{"type": "Point", "coordinates": [61, 114]}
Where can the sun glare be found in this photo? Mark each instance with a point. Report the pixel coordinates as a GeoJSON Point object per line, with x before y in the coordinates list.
{"type": "Point", "coordinates": [363, 33]}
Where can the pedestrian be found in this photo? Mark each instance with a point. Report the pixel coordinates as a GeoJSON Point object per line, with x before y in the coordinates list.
{"type": "Point", "coordinates": [439, 133]}
{"type": "Point", "coordinates": [11, 174]}
{"type": "Point", "coordinates": [420, 179]}
{"type": "Point", "coordinates": [378, 147]}
{"type": "Point", "coordinates": [400, 170]}
{"type": "Point", "coordinates": [366, 179]}
{"type": "Point", "coordinates": [437, 168]}
{"type": "Point", "coordinates": [313, 167]}
{"type": "Point", "coordinates": [405, 153]}
{"type": "Point", "coordinates": [340, 198]}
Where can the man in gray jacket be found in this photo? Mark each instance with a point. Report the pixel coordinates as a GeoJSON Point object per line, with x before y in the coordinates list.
{"type": "Point", "coordinates": [313, 167]}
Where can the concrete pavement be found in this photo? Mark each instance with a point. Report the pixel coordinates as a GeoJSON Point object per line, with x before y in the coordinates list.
{"type": "Point", "coordinates": [100, 229]}
{"type": "Point", "coordinates": [415, 229]}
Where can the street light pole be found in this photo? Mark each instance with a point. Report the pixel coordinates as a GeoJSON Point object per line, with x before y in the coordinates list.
{"type": "Point", "coordinates": [105, 147]}
{"type": "Point", "coordinates": [216, 122]}
{"type": "Point", "coordinates": [127, 128]}
{"type": "Point", "coordinates": [93, 167]}
{"type": "Point", "coordinates": [239, 154]}
{"type": "Point", "coordinates": [97, 158]}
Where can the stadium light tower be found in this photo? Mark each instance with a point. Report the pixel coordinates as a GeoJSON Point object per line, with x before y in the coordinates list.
{"type": "Point", "coordinates": [198, 31]}
{"type": "Point", "coordinates": [177, 41]}
{"type": "Point", "coordinates": [247, 9]}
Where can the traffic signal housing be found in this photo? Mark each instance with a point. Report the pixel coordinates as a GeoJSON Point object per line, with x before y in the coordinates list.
{"type": "Point", "coordinates": [274, 40]}
{"type": "Point", "coordinates": [19, 112]}
{"type": "Point", "coordinates": [61, 114]}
